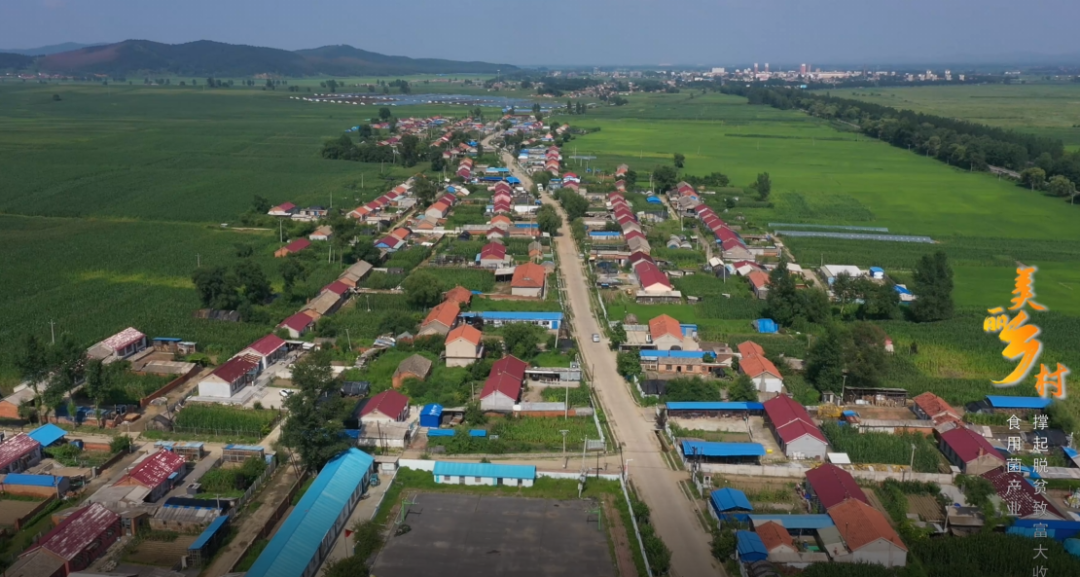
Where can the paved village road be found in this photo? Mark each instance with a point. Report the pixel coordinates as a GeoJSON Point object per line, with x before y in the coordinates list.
{"type": "Point", "coordinates": [673, 514]}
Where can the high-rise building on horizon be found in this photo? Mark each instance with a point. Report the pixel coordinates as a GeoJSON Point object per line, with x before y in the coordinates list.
{"type": "Point", "coordinates": [766, 68]}
{"type": "Point", "coordinates": [802, 69]}
{"type": "Point", "coordinates": [755, 68]}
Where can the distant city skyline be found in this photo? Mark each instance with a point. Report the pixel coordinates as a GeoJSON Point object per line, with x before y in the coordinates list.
{"type": "Point", "coordinates": [728, 33]}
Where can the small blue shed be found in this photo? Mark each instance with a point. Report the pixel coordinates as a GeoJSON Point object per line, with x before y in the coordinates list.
{"type": "Point", "coordinates": [766, 326]}
{"type": "Point", "coordinates": [47, 434]}
{"type": "Point", "coordinates": [750, 547]}
{"type": "Point", "coordinates": [431, 416]}
{"type": "Point", "coordinates": [730, 503]}
{"type": "Point", "coordinates": [653, 200]}
{"type": "Point", "coordinates": [440, 433]}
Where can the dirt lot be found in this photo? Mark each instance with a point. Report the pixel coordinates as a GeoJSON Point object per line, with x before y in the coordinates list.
{"type": "Point", "coordinates": [707, 424]}
{"type": "Point", "coordinates": [12, 510]}
{"type": "Point", "coordinates": [269, 398]}
{"type": "Point", "coordinates": [474, 535]}
{"type": "Point", "coordinates": [759, 433]}
{"type": "Point", "coordinates": [889, 413]}
{"type": "Point", "coordinates": [160, 553]}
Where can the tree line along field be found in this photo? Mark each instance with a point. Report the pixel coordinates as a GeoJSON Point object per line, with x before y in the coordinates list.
{"type": "Point", "coordinates": [1051, 110]}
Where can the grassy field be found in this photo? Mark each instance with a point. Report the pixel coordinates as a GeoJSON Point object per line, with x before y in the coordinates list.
{"type": "Point", "coordinates": [111, 194]}
{"type": "Point", "coordinates": [1051, 110]}
{"type": "Point", "coordinates": [824, 176]}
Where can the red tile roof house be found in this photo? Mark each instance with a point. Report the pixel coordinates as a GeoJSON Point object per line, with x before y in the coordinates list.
{"type": "Point", "coordinates": [386, 407]}
{"type": "Point", "coordinates": [493, 255]}
{"type": "Point", "coordinates": [828, 485]}
{"type": "Point", "coordinates": [19, 453]}
{"type": "Point", "coordinates": [775, 538]}
{"type": "Point", "coordinates": [510, 365]}
{"type": "Point", "coordinates": [530, 280]}
{"type": "Point", "coordinates": [650, 276]}
{"type": "Point", "coordinates": [232, 376]}
{"type": "Point", "coordinates": [270, 349]}
{"type": "Point", "coordinates": [798, 436]}
{"type": "Point", "coordinates": [666, 334]}
{"type": "Point", "coordinates": [759, 283]}
{"type": "Point", "coordinates": [463, 346]}
{"type": "Point", "coordinates": [1014, 489]}
{"type": "Point", "coordinates": [287, 209]}
{"type": "Point", "coordinates": [459, 294]}
{"type": "Point", "coordinates": [501, 392]}
{"type": "Point", "coordinates": [867, 535]}
{"type": "Point", "coordinates": [932, 407]}
{"type": "Point", "coordinates": [293, 247]}
{"type": "Point", "coordinates": [159, 473]}
{"type": "Point", "coordinates": [74, 544]}
{"type": "Point", "coordinates": [970, 451]}
{"type": "Point", "coordinates": [297, 324]}
{"type": "Point", "coordinates": [440, 319]}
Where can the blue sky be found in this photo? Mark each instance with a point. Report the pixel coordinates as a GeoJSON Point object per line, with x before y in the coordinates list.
{"type": "Point", "coordinates": [561, 32]}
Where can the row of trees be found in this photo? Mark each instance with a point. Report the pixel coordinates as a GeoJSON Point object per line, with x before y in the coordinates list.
{"type": "Point", "coordinates": [950, 140]}
{"type": "Point", "coordinates": [54, 370]}
{"type": "Point", "coordinates": [408, 151]}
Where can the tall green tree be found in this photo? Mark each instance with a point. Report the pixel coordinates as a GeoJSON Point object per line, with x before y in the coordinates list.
{"type": "Point", "coordinates": [825, 359]}
{"type": "Point", "coordinates": [424, 189]}
{"type": "Point", "coordinates": [423, 289]}
{"type": "Point", "coordinates": [1060, 186]}
{"type": "Point", "coordinates": [384, 113]}
{"type": "Point", "coordinates": [763, 185]}
{"type": "Point", "coordinates": [365, 250]}
{"type": "Point", "coordinates": [664, 178]}
{"type": "Point", "coordinates": [864, 357]}
{"type": "Point", "coordinates": [32, 362]}
{"type": "Point", "coordinates": [216, 287]}
{"type": "Point", "coordinates": [933, 288]}
{"type": "Point", "coordinates": [252, 282]}
{"type": "Point", "coordinates": [522, 340]}
{"type": "Point", "coordinates": [743, 389]}
{"type": "Point", "coordinates": [314, 429]}
{"type": "Point", "coordinates": [680, 160]}
{"type": "Point", "coordinates": [292, 271]}
{"type": "Point", "coordinates": [1033, 178]}
{"type": "Point", "coordinates": [548, 219]}
{"type": "Point", "coordinates": [881, 302]}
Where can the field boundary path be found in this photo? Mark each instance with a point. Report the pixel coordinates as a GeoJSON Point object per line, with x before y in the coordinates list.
{"type": "Point", "coordinates": [252, 525]}
{"type": "Point", "coordinates": [673, 517]}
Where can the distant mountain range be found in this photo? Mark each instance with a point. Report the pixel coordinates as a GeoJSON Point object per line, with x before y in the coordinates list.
{"type": "Point", "coordinates": [50, 49]}
{"type": "Point", "coordinates": [207, 58]}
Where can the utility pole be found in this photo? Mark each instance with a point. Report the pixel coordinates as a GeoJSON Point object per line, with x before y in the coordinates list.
{"type": "Point", "coordinates": [52, 332]}
{"type": "Point", "coordinates": [564, 432]}
{"type": "Point", "coordinates": [280, 234]}
{"type": "Point", "coordinates": [348, 338]}
{"type": "Point", "coordinates": [198, 260]}
{"type": "Point", "coordinates": [565, 414]}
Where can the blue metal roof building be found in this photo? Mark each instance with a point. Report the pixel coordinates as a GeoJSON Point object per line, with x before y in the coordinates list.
{"type": "Point", "coordinates": [673, 354]}
{"type": "Point", "coordinates": [484, 474]}
{"type": "Point", "coordinates": [47, 434]}
{"type": "Point", "coordinates": [604, 234]}
{"type": "Point", "coordinates": [750, 547]}
{"type": "Point", "coordinates": [300, 545]}
{"type": "Point", "coordinates": [431, 415]}
{"type": "Point", "coordinates": [730, 503]}
{"type": "Point", "coordinates": [33, 480]}
{"type": "Point", "coordinates": [796, 522]}
{"type": "Point", "coordinates": [723, 451]}
{"type": "Point", "coordinates": [1036, 403]}
{"type": "Point", "coordinates": [441, 433]}
{"type": "Point", "coordinates": [715, 406]}
{"type": "Point", "coordinates": [208, 541]}
{"type": "Point", "coordinates": [549, 320]}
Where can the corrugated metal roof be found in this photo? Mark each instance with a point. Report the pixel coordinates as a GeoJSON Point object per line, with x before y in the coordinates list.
{"type": "Point", "coordinates": [728, 499]}
{"type": "Point", "coordinates": [156, 468]}
{"type": "Point", "coordinates": [255, 448]}
{"type": "Point", "coordinates": [999, 402]}
{"type": "Point", "coordinates": [15, 448]}
{"type": "Point", "coordinates": [30, 480]}
{"type": "Point", "coordinates": [441, 433]}
{"type": "Point", "coordinates": [297, 541]}
{"type": "Point", "coordinates": [673, 354]}
{"type": "Point", "coordinates": [705, 449]}
{"type": "Point", "coordinates": [210, 531]}
{"type": "Point", "coordinates": [715, 406]}
{"type": "Point", "coordinates": [796, 521]}
{"type": "Point", "coordinates": [750, 547]}
{"type": "Point", "coordinates": [73, 534]}
{"type": "Point", "coordinates": [47, 434]}
{"type": "Point", "coordinates": [484, 470]}
{"type": "Point", "coordinates": [432, 409]}
{"type": "Point", "coordinates": [525, 316]}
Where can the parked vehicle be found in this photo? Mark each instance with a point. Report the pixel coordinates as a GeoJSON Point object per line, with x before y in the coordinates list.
{"type": "Point", "coordinates": [595, 338]}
